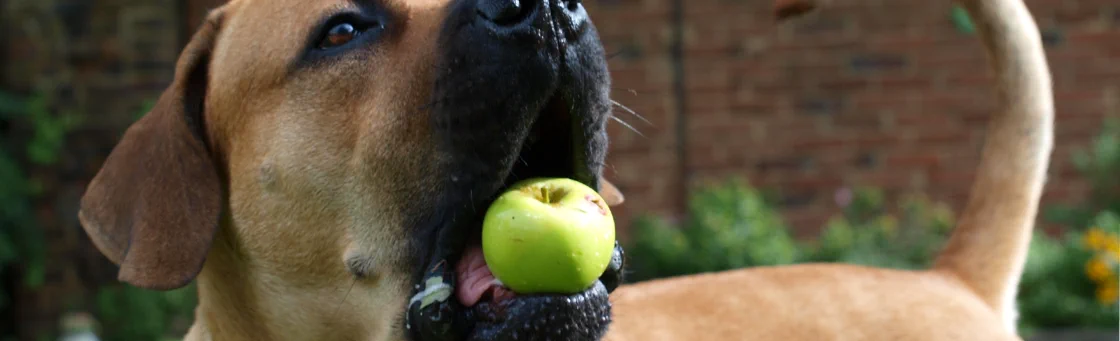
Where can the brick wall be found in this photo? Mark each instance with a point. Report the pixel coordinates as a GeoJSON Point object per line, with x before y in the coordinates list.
{"type": "Point", "coordinates": [883, 93]}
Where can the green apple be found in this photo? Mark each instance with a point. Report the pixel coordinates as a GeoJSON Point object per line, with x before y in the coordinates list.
{"type": "Point", "coordinates": [548, 235]}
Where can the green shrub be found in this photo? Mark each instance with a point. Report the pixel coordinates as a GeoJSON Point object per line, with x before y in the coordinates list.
{"type": "Point", "coordinates": [41, 132]}
{"type": "Point", "coordinates": [1099, 165]}
{"type": "Point", "coordinates": [729, 226]}
{"type": "Point", "coordinates": [866, 234]}
{"type": "Point", "coordinates": [128, 313]}
{"type": "Point", "coordinates": [34, 138]}
{"type": "Point", "coordinates": [1071, 281]}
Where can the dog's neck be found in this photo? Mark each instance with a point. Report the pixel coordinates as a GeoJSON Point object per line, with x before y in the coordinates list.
{"type": "Point", "coordinates": [228, 307]}
{"type": "Point", "coordinates": [238, 302]}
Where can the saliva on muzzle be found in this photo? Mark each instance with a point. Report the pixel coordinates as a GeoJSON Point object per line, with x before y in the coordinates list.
{"type": "Point", "coordinates": [434, 315]}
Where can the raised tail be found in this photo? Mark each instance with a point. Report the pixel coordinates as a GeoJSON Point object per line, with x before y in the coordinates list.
{"type": "Point", "coordinates": [988, 248]}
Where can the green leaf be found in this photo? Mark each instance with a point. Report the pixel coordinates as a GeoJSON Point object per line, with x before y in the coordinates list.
{"type": "Point", "coordinates": [35, 275]}
{"type": "Point", "coordinates": [7, 249]}
{"type": "Point", "coordinates": [11, 106]}
{"type": "Point", "coordinates": [961, 20]}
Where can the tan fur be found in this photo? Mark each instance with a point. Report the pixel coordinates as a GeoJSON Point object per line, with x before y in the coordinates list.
{"type": "Point", "coordinates": [314, 165]}
{"type": "Point", "coordinates": [309, 187]}
{"type": "Point", "coordinates": [970, 292]}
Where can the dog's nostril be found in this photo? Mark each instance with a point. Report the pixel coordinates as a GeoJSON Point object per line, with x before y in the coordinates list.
{"type": "Point", "coordinates": [571, 5]}
{"type": "Point", "coordinates": [504, 12]}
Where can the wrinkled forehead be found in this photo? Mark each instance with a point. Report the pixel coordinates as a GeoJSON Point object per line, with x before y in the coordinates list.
{"type": "Point", "coordinates": [262, 38]}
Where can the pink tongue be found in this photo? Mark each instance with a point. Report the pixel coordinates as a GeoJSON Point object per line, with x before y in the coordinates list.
{"type": "Point", "coordinates": [475, 279]}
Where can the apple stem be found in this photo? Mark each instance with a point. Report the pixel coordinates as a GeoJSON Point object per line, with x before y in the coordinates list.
{"type": "Point", "coordinates": [544, 195]}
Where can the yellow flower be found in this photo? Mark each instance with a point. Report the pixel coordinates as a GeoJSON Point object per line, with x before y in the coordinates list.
{"type": "Point", "coordinates": [1110, 244]}
{"type": "Point", "coordinates": [1108, 294]}
{"type": "Point", "coordinates": [1095, 239]}
{"type": "Point", "coordinates": [1098, 270]}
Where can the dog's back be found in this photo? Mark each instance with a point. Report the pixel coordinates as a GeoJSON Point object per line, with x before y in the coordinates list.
{"type": "Point", "coordinates": [970, 292]}
{"type": "Point", "coordinates": [805, 302]}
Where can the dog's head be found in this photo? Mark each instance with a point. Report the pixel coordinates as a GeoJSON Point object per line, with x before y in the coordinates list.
{"type": "Point", "coordinates": [326, 163]}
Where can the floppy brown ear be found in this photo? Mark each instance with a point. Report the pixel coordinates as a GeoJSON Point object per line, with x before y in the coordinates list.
{"type": "Point", "coordinates": [154, 206]}
{"type": "Point", "coordinates": [610, 193]}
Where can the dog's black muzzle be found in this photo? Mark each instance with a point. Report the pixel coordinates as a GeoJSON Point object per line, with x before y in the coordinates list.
{"type": "Point", "coordinates": [522, 90]}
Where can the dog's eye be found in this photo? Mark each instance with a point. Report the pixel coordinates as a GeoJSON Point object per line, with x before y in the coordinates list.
{"type": "Point", "coordinates": [339, 35]}
{"type": "Point", "coordinates": [342, 31]}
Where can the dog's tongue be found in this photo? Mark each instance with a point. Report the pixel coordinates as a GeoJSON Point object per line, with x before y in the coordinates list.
{"type": "Point", "coordinates": [475, 279]}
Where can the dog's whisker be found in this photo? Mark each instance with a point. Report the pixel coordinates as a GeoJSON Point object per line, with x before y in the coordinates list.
{"type": "Point", "coordinates": [627, 125]}
{"type": "Point", "coordinates": [631, 111]}
{"type": "Point", "coordinates": [338, 308]}
{"type": "Point", "coordinates": [630, 90]}
{"type": "Point", "coordinates": [603, 164]}
{"type": "Point", "coordinates": [600, 163]}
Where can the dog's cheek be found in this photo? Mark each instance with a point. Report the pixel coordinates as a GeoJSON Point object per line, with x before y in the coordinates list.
{"type": "Point", "coordinates": [281, 213]}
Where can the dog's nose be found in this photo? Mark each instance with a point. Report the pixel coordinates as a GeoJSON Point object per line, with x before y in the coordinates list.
{"type": "Point", "coordinates": [506, 12]}
{"type": "Point", "coordinates": [524, 15]}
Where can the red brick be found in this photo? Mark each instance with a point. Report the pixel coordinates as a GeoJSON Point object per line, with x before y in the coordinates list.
{"type": "Point", "coordinates": [843, 84]}
{"type": "Point", "coordinates": [957, 178]}
{"type": "Point", "coordinates": [812, 182]}
{"type": "Point", "coordinates": [878, 100]}
{"type": "Point", "coordinates": [913, 160]}
{"type": "Point", "coordinates": [896, 82]}
{"type": "Point", "coordinates": [869, 140]}
{"type": "Point", "coordinates": [1096, 38]}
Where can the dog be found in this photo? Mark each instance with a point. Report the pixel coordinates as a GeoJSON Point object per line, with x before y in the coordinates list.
{"type": "Point", "coordinates": [968, 294]}
{"type": "Point", "coordinates": [318, 168]}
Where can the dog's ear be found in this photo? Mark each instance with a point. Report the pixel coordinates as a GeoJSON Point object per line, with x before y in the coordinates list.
{"type": "Point", "coordinates": [610, 193]}
{"type": "Point", "coordinates": [154, 206]}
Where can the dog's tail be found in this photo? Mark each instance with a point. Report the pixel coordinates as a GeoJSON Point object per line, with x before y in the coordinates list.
{"type": "Point", "coordinates": [988, 248]}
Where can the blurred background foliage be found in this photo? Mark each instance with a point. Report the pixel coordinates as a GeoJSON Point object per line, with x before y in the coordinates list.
{"type": "Point", "coordinates": [120, 312]}
{"type": "Point", "coordinates": [1100, 165]}
{"type": "Point", "coordinates": [1070, 280]}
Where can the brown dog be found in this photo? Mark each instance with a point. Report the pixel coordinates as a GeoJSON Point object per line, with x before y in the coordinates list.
{"type": "Point", "coordinates": [970, 292]}
{"type": "Point", "coordinates": [319, 167]}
